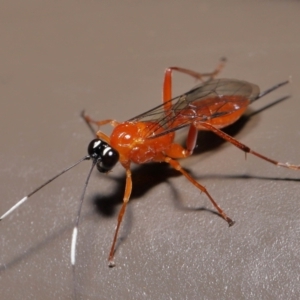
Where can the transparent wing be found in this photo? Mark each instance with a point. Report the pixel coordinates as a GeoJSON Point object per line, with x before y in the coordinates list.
{"type": "Point", "coordinates": [205, 102]}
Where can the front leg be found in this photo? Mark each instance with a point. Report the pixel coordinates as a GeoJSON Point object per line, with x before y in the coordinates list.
{"type": "Point", "coordinates": [89, 121]}
{"type": "Point", "coordinates": [127, 193]}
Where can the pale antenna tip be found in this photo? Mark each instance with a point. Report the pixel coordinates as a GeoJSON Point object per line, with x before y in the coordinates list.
{"type": "Point", "coordinates": [73, 245]}
{"type": "Point", "coordinates": [14, 207]}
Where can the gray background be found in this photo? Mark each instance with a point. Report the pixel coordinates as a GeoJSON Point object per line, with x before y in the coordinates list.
{"type": "Point", "coordinates": [59, 57]}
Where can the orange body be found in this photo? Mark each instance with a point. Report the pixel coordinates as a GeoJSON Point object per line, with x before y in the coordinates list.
{"type": "Point", "coordinates": [132, 139]}
{"type": "Point", "coordinates": [149, 137]}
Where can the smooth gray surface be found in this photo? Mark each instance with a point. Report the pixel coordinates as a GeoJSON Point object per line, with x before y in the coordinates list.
{"type": "Point", "coordinates": [59, 57]}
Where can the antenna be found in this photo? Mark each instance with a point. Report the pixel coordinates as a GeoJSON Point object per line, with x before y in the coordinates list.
{"type": "Point", "coordinates": [41, 186]}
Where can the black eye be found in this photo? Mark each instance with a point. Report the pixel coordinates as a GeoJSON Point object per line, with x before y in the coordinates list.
{"type": "Point", "coordinates": [105, 156]}
{"type": "Point", "coordinates": [109, 159]}
{"type": "Point", "coordinates": [95, 148]}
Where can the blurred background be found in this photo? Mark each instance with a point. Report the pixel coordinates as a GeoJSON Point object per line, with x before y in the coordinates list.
{"type": "Point", "coordinates": [60, 57]}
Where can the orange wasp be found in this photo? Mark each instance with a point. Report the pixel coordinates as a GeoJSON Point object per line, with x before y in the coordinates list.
{"type": "Point", "coordinates": [149, 137]}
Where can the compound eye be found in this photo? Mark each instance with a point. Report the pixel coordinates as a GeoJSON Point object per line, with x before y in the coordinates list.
{"type": "Point", "coordinates": [95, 148]}
{"type": "Point", "coordinates": [105, 156]}
{"type": "Point", "coordinates": [109, 159]}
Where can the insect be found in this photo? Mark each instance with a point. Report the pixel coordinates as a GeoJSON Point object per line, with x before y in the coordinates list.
{"type": "Point", "coordinates": [149, 137]}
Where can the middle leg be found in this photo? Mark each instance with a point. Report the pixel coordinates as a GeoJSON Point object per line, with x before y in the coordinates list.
{"type": "Point", "coordinates": [167, 96]}
{"type": "Point", "coordinates": [167, 87]}
{"type": "Point", "coordinates": [175, 164]}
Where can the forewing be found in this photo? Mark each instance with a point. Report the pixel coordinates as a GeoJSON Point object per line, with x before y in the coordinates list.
{"type": "Point", "coordinates": [165, 121]}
